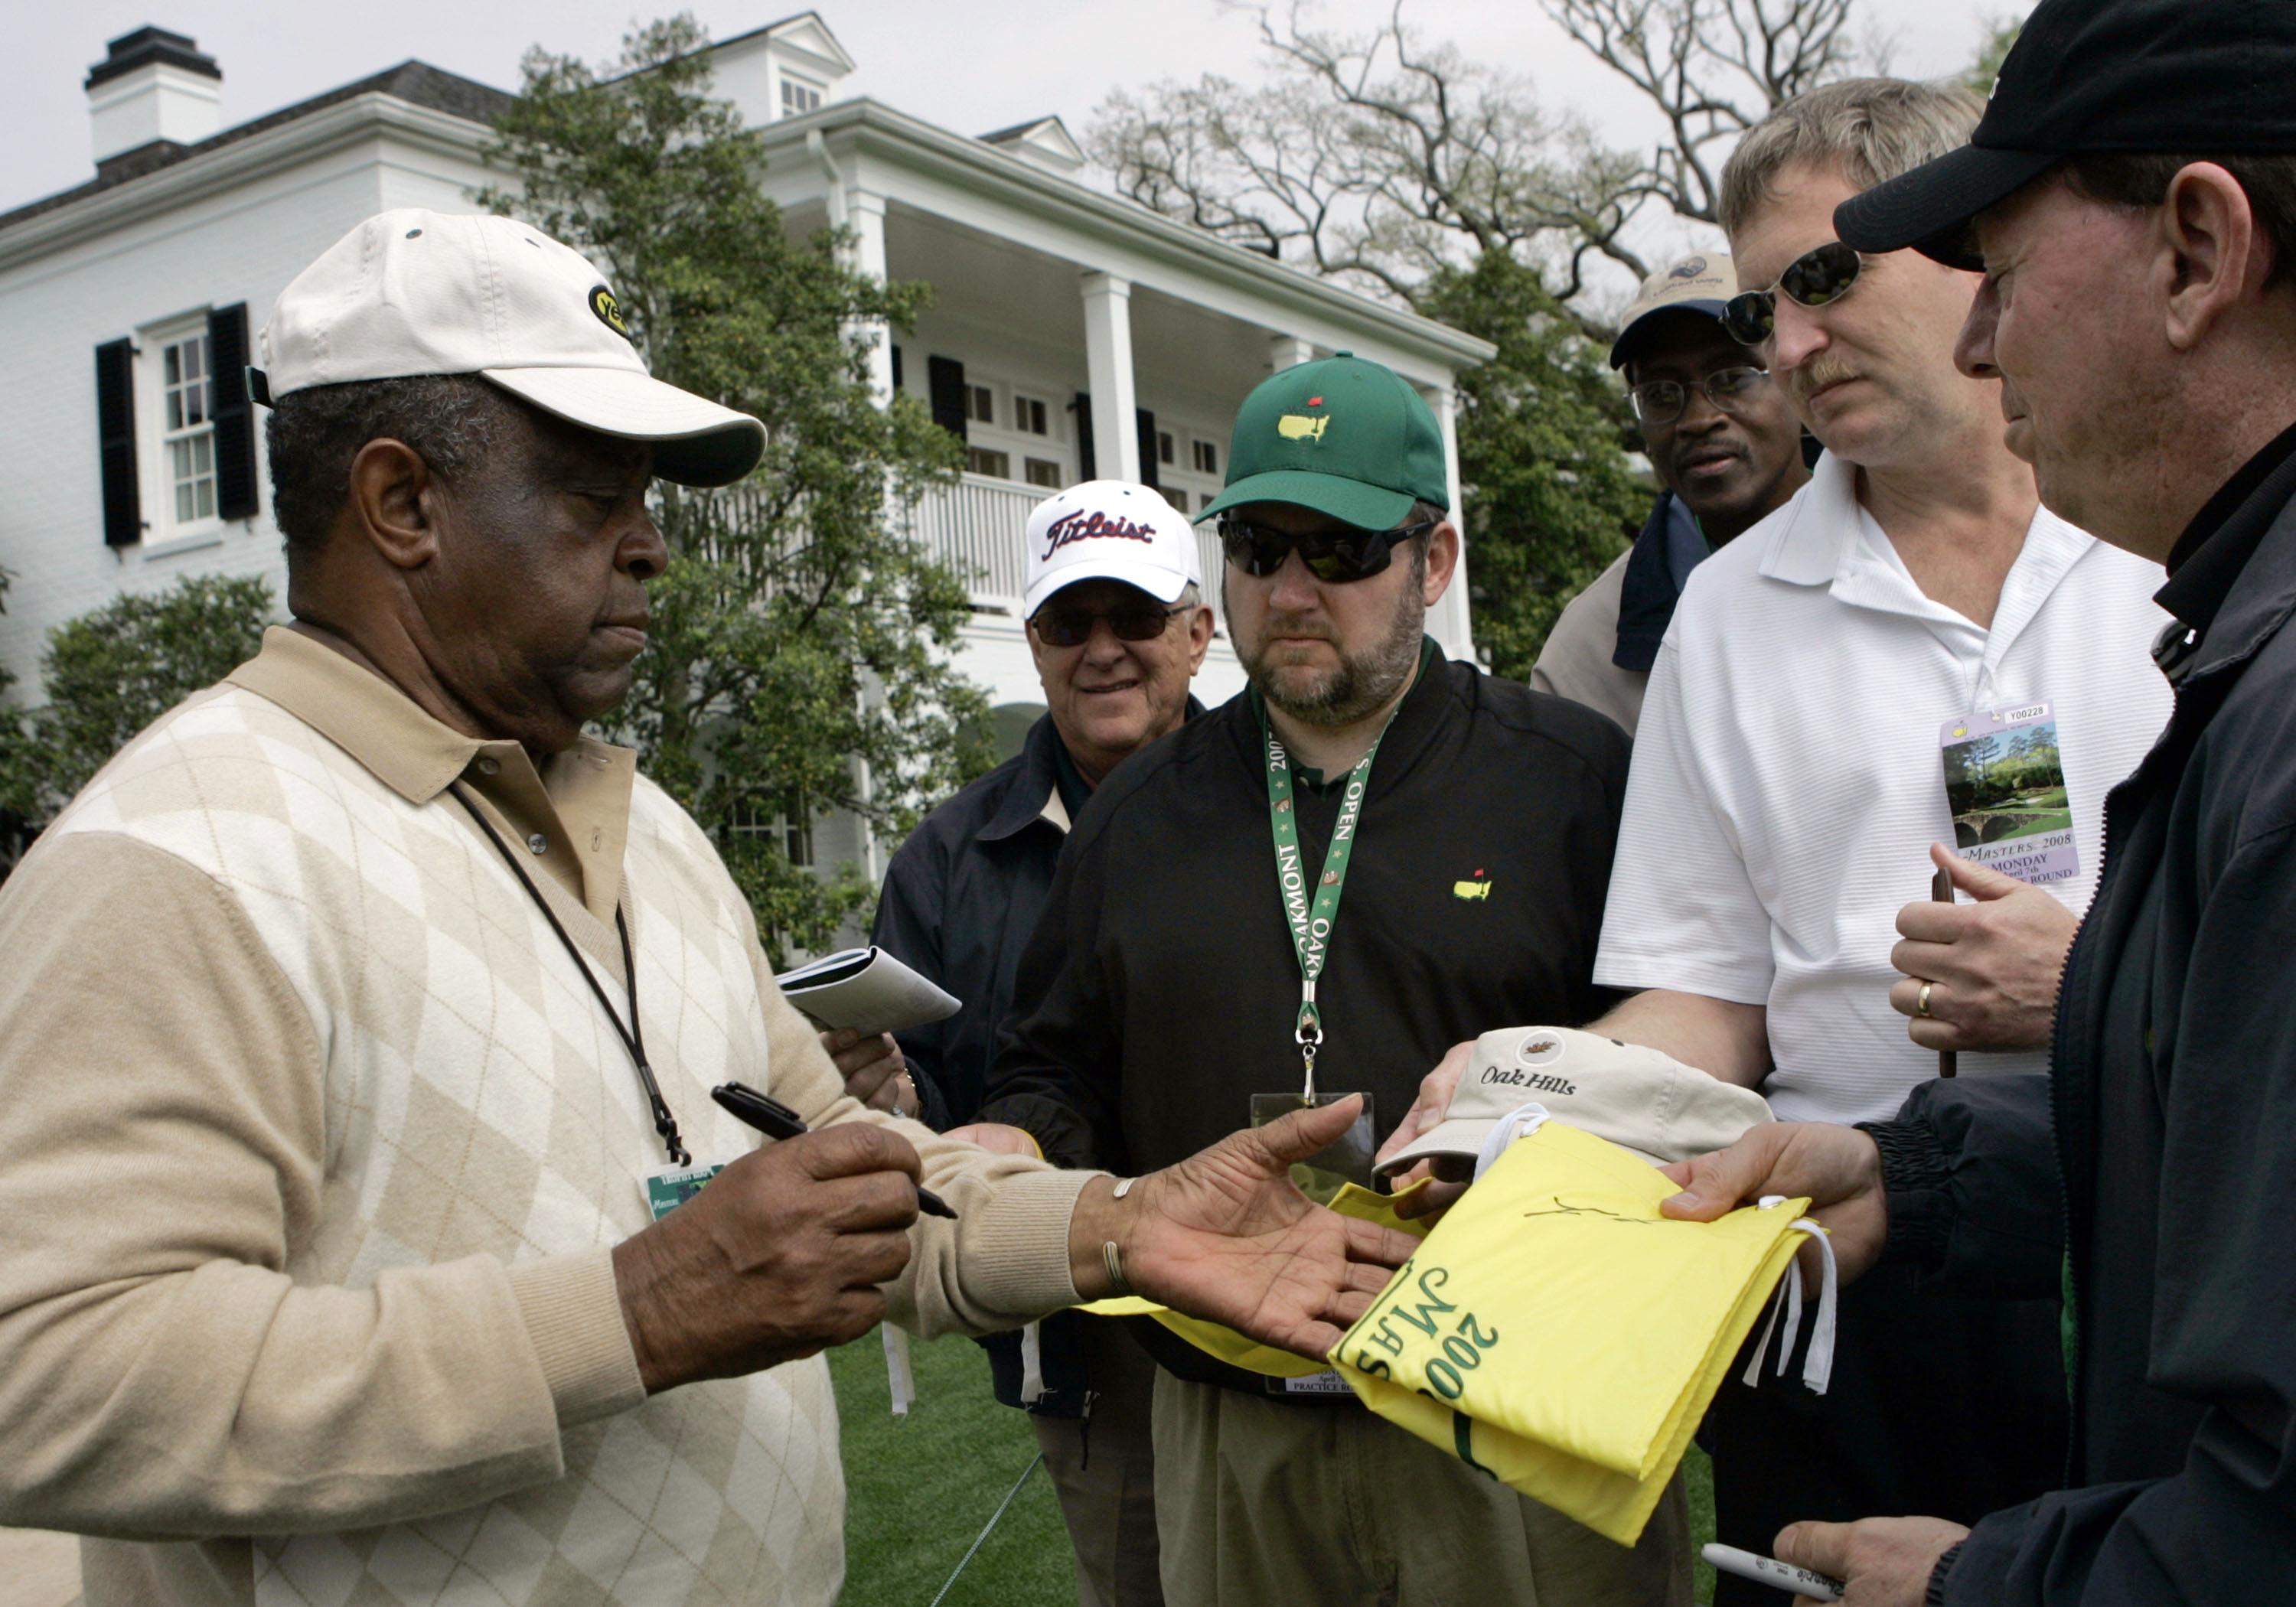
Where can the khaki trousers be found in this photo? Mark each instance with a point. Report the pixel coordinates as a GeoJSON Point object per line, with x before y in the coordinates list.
{"type": "Point", "coordinates": [1267, 1505]}
{"type": "Point", "coordinates": [1105, 1472]}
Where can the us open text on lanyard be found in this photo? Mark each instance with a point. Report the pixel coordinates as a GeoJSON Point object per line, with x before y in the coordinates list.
{"type": "Point", "coordinates": [1312, 913]}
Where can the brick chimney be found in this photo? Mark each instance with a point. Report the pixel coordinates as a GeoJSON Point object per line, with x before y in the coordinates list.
{"type": "Point", "coordinates": [154, 89]}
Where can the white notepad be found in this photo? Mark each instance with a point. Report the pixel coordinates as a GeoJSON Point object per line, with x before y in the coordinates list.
{"type": "Point", "coordinates": [868, 990]}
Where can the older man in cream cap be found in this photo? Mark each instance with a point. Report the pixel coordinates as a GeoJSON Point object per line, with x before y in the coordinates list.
{"type": "Point", "coordinates": [360, 1027]}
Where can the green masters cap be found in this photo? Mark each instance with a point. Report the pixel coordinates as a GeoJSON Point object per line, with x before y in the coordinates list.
{"type": "Point", "coordinates": [1341, 436]}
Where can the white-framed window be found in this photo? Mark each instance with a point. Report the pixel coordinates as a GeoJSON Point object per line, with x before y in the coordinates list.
{"type": "Point", "coordinates": [798, 97]}
{"type": "Point", "coordinates": [1165, 447]}
{"type": "Point", "coordinates": [980, 404]}
{"type": "Point", "coordinates": [1176, 497]}
{"type": "Point", "coordinates": [174, 404]}
{"type": "Point", "coordinates": [1044, 473]}
{"type": "Point", "coordinates": [1030, 416]}
{"type": "Point", "coordinates": [988, 461]}
{"type": "Point", "coordinates": [1204, 456]}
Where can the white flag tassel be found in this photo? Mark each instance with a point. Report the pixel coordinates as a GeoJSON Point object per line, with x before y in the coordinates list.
{"type": "Point", "coordinates": [903, 1383]}
{"type": "Point", "coordinates": [1817, 1363]}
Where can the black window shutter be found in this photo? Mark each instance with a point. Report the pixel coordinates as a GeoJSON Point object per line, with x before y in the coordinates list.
{"type": "Point", "coordinates": [944, 383]}
{"type": "Point", "coordinates": [234, 417]}
{"type": "Point", "coordinates": [1087, 461]}
{"type": "Point", "coordinates": [896, 368]}
{"type": "Point", "coordinates": [115, 439]}
{"type": "Point", "coordinates": [1146, 422]}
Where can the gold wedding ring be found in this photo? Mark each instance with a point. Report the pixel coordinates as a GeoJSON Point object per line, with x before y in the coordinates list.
{"type": "Point", "coordinates": [1921, 1001]}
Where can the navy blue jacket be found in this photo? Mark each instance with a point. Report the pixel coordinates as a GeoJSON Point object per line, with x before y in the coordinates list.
{"type": "Point", "coordinates": [2153, 1171]}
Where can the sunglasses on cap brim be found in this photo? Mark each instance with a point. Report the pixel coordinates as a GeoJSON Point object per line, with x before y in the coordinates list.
{"type": "Point", "coordinates": [1816, 278]}
{"type": "Point", "coordinates": [1336, 555]}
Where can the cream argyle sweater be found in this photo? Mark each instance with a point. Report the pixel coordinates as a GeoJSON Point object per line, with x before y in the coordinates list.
{"type": "Point", "coordinates": [312, 1149]}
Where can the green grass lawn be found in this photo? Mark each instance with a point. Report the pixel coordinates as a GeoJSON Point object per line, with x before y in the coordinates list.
{"type": "Point", "coordinates": [919, 1488]}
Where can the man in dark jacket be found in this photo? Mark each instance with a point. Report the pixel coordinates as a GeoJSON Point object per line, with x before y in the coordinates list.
{"type": "Point", "coordinates": [2141, 310]}
{"type": "Point", "coordinates": [1118, 627]}
{"type": "Point", "coordinates": [1437, 841]}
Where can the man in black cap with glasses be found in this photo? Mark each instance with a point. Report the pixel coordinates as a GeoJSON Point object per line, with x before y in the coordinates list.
{"type": "Point", "coordinates": [2130, 198]}
{"type": "Point", "coordinates": [1726, 449]}
{"type": "Point", "coordinates": [1370, 855]}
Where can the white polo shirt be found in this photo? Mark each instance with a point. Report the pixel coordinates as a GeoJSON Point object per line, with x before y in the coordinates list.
{"type": "Point", "coordinates": [1788, 781]}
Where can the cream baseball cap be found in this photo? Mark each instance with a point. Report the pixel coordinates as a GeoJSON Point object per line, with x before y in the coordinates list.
{"type": "Point", "coordinates": [1700, 282]}
{"type": "Point", "coordinates": [1639, 1099]}
{"type": "Point", "coordinates": [1109, 529]}
{"type": "Point", "coordinates": [412, 291]}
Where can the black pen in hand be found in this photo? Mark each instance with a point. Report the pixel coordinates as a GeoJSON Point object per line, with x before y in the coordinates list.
{"type": "Point", "coordinates": [775, 1119]}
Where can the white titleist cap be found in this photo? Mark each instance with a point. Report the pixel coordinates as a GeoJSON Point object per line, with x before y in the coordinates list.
{"type": "Point", "coordinates": [1637, 1098]}
{"type": "Point", "coordinates": [1109, 529]}
{"type": "Point", "coordinates": [413, 292]}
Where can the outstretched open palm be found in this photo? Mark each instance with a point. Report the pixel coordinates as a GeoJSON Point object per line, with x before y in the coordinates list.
{"type": "Point", "coordinates": [1225, 1236]}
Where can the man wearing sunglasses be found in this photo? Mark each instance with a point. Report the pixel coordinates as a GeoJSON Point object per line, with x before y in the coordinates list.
{"type": "Point", "coordinates": [1726, 448]}
{"type": "Point", "coordinates": [1370, 854]}
{"type": "Point", "coordinates": [1118, 627]}
{"type": "Point", "coordinates": [1789, 783]}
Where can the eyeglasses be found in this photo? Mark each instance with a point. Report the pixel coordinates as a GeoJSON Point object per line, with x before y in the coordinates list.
{"type": "Point", "coordinates": [1661, 401]}
{"type": "Point", "coordinates": [1813, 279]}
{"type": "Point", "coordinates": [1058, 627]}
{"type": "Point", "coordinates": [1336, 555]}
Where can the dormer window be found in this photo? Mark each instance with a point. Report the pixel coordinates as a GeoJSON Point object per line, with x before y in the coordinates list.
{"type": "Point", "coordinates": [798, 97]}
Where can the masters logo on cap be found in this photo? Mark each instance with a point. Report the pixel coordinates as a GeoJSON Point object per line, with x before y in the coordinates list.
{"type": "Point", "coordinates": [1347, 438]}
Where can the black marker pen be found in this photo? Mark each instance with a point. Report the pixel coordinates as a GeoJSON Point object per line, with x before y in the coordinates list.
{"type": "Point", "coordinates": [775, 1119]}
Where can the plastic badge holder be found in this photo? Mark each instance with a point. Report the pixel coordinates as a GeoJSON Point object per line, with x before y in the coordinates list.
{"type": "Point", "coordinates": [1346, 1161]}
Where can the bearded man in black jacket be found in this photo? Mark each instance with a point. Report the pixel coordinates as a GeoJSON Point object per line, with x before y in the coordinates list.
{"type": "Point", "coordinates": [2140, 306]}
{"type": "Point", "coordinates": [1443, 839]}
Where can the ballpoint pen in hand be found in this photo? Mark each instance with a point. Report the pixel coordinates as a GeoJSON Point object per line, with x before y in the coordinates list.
{"type": "Point", "coordinates": [775, 1119]}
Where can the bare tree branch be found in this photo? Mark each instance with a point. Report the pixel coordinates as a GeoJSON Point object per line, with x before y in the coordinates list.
{"type": "Point", "coordinates": [1713, 69]}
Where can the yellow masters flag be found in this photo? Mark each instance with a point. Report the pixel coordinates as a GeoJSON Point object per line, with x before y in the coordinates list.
{"type": "Point", "coordinates": [1557, 1332]}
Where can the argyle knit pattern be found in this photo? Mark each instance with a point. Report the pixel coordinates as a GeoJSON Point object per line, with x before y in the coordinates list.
{"type": "Point", "coordinates": [478, 1102]}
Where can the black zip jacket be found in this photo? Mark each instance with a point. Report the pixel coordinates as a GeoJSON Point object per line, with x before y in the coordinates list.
{"type": "Point", "coordinates": [2172, 1106]}
{"type": "Point", "coordinates": [1160, 990]}
{"type": "Point", "coordinates": [960, 898]}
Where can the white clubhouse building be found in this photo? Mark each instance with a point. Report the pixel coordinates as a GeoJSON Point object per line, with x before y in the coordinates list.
{"type": "Point", "coordinates": [1071, 334]}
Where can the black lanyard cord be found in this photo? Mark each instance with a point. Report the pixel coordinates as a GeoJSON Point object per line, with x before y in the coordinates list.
{"type": "Point", "coordinates": [633, 1036]}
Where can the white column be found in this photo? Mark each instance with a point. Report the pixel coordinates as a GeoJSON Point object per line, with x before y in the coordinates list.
{"type": "Point", "coordinates": [1456, 630]}
{"type": "Point", "coordinates": [1288, 351]}
{"type": "Point", "coordinates": [1107, 376]}
{"type": "Point", "coordinates": [864, 215]}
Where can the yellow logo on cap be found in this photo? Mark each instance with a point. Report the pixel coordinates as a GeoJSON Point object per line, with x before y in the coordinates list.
{"type": "Point", "coordinates": [1299, 426]}
{"type": "Point", "coordinates": [609, 311]}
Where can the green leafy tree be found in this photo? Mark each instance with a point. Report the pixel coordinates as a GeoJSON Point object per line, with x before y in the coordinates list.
{"type": "Point", "coordinates": [110, 672]}
{"type": "Point", "coordinates": [1549, 495]}
{"type": "Point", "coordinates": [798, 662]}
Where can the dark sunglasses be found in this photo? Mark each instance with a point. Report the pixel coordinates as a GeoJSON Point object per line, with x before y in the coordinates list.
{"type": "Point", "coordinates": [1058, 627]}
{"type": "Point", "coordinates": [1336, 555]}
{"type": "Point", "coordinates": [1813, 279]}
{"type": "Point", "coordinates": [1661, 401]}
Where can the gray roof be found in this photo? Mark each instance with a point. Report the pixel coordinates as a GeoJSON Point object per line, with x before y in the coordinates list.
{"type": "Point", "coordinates": [418, 83]}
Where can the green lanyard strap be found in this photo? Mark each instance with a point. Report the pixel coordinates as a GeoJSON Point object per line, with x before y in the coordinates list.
{"type": "Point", "coordinates": [1311, 917]}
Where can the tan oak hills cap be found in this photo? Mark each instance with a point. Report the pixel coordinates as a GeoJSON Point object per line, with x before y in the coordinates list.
{"type": "Point", "coordinates": [1638, 1099]}
{"type": "Point", "coordinates": [413, 292]}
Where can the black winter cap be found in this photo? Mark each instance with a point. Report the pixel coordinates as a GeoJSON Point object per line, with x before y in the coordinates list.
{"type": "Point", "coordinates": [2148, 76]}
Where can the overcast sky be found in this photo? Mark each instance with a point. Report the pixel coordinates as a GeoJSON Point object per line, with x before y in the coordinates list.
{"type": "Point", "coordinates": [972, 67]}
